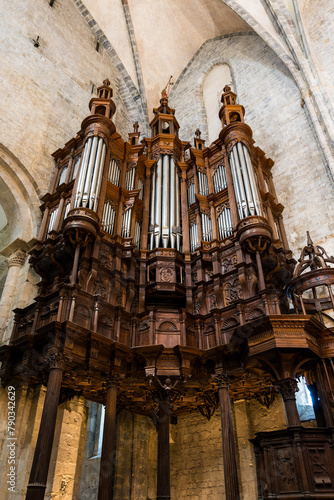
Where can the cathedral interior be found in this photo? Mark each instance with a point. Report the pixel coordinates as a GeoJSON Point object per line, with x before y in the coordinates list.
{"type": "Point", "coordinates": [167, 250]}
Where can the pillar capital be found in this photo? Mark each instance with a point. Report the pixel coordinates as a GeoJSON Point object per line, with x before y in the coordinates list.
{"type": "Point", "coordinates": [16, 252]}
{"type": "Point", "coordinates": [17, 258]}
{"type": "Point", "coordinates": [57, 360]}
{"type": "Point", "coordinates": [287, 387]}
{"type": "Point", "coordinates": [222, 380]}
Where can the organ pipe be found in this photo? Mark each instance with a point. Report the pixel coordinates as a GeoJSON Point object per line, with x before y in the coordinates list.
{"type": "Point", "coordinates": [126, 221]}
{"type": "Point", "coordinates": [62, 177]}
{"type": "Point", "coordinates": [225, 223]}
{"type": "Point", "coordinates": [219, 179]}
{"type": "Point", "coordinates": [244, 182]}
{"type": "Point", "coordinates": [191, 194]}
{"type": "Point", "coordinates": [165, 219]}
{"type": "Point", "coordinates": [108, 217]}
{"type": "Point", "coordinates": [165, 201]}
{"type": "Point", "coordinates": [52, 219]}
{"type": "Point", "coordinates": [172, 220]}
{"type": "Point", "coordinates": [152, 211]}
{"type": "Point", "coordinates": [90, 177]}
{"type": "Point", "coordinates": [177, 203]}
{"type": "Point", "coordinates": [114, 172]}
{"type": "Point", "coordinates": [157, 222]}
{"type": "Point", "coordinates": [129, 179]}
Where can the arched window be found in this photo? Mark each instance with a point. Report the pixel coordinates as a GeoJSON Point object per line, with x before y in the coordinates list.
{"type": "Point", "coordinates": [213, 85]}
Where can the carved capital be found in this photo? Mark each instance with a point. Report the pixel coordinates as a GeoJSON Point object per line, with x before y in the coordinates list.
{"type": "Point", "coordinates": [222, 380]}
{"type": "Point", "coordinates": [57, 360]}
{"type": "Point", "coordinates": [17, 258]}
{"type": "Point", "coordinates": [287, 387]}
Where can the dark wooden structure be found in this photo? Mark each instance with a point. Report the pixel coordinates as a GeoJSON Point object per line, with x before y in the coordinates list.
{"type": "Point", "coordinates": [164, 269]}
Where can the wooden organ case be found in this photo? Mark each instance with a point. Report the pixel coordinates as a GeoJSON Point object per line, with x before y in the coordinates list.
{"type": "Point", "coordinates": [164, 269]}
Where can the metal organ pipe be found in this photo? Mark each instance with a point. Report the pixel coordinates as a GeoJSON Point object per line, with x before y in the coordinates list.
{"type": "Point", "coordinates": [87, 183]}
{"type": "Point", "coordinates": [100, 167]}
{"type": "Point", "coordinates": [165, 201]}
{"type": "Point", "coordinates": [152, 210]}
{"type": "Point", "coordinates": [165, 218]}
{"type": "Point", "coordinates": [157, 224]}
{"type": "Point", "coordinates": [114, 172]}
{"type": "Point", "coordinates": [172, 218]}
{"type": "Point", "coordinates": [200, 183]}
{"type": "Point", "coordinates": [236, 187]}
{"type": "Point", "coordinates": [252, 179]}
{"type": "Point", "coordinates": [108, 217]}
{"type": "Point", "coordinates": [83, 171]}
{"type": "Point", "coordinates": [240, 182]}
{"type": "Point", "coordinates": [245, 177]}
{"type": "Point", "coordinates": [244, 181]}
{"type": "Point", "coordinates": [90, 178]}
{"type": "Point", "coordinates": [178, 219]}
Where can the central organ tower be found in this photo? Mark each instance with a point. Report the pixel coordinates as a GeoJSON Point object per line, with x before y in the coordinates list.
{"type": "Point", "coordinates": [163, 265]}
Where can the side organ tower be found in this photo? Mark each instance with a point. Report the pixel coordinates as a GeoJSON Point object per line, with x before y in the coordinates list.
{"type": "Point", "coordinates": [165, 265]}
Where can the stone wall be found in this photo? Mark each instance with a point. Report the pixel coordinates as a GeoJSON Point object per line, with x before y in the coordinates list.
{"type": "Point", "coordinates": [318, 17]}
{"type": "Point", "coordinates": [48, 88]}
{"type": "Point", "coordinates": [196, 450]}
{"type": "Point", "coordinates": [274, 111]}
{"type": "Point", "coordinates": [29, 405]}
{"type": "Point", "coordinates": [136, 460]}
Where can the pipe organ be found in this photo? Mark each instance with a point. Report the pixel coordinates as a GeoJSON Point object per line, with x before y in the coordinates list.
{"type": "Point", "coordinates": [108, 216]}
{"type": "Point", "coordinates": [244, 181]}
{"type": "Point", "coordinates": [163, 261]}
{"type": "Point", "coordinates": [219, 179]}
{"type": "Point", "coordinates": [114, 172]}
{"type": "Point", "coordinates": [90, 175]}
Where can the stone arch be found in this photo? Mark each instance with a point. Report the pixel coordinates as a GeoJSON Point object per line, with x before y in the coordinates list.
{"type": "Point", "coordinates": [20, 202]}
{"type": "Point", "coordinates": [19, 197]}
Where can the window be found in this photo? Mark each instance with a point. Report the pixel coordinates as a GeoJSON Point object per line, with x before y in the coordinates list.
{"type": "Point", "coordinates": [304, 401]}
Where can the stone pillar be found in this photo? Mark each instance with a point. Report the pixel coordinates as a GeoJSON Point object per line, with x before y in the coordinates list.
{"type": "Point", "coordinates": [29, 405]}
{"type": "Point", "coordinates": [39, 471]}
{"type": "Point", "coordinates": [287, 387]}
{"type": "Point", "coordinates": [68, 449]}
{"type": "Point", "coordinates": [15, 262]}
{"type": "Point", "coordinates": [107, 467]}
{"type": "Point", "coordinates": [246, 455]}
{"type": "Point", "coordinates": [163, 479]}
{"type": "Point", "coordinates": [229, 458]}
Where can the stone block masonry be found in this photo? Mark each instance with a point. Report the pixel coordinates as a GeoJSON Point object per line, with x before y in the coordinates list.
{"type": "Point", "coordinates": [45, 89]}
{"type": "Point", "coordinates": [280, 125]}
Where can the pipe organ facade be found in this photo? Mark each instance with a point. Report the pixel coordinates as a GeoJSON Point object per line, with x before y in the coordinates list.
{"type": "Point", "coordinates": [164, 264]}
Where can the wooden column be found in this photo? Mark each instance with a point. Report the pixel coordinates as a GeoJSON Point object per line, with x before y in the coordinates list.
{"type": "Point", "coordinates": [287, 387]}
{"type": "Point", "coordinates": [325, 404]}
{"type": "Point", "coordinates": [229, 458]}
{"type": "Point", "coordinates": [163, 482]}
{"type": "Point", "coordinates": [40, 466]}
{"type": "Point", "coordinates": [108, 455]}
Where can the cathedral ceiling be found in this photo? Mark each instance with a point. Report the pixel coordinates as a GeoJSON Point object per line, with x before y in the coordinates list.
{"type": "Point", "coordinates": [167, 34]}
